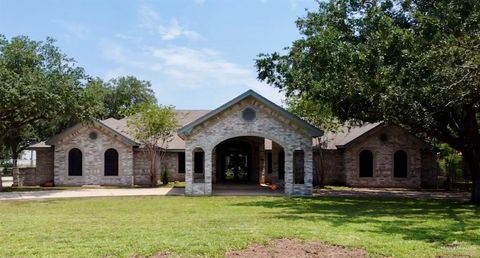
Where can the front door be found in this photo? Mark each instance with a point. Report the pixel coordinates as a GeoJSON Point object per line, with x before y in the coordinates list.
{"type": "Point", "coordinates": [236, 168]}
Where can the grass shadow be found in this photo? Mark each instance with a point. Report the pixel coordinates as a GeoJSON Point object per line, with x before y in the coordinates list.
{"type": "Point", "coordinates": [429, 221]}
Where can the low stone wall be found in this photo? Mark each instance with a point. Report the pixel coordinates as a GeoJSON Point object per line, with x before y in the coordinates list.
{"type": "Point", "coordinates": [24, 177]}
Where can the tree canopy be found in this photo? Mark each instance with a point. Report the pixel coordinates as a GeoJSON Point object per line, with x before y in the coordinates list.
{"type": "Point", "coordinates": [415, 63]}
{"type": "Point", "coordinates": [43, 91]}
{"type": "Point", "coordinates": [40, 89]}
{"type": "Point", "coordinates": [154, 126]}
{"type": "Point", "coordinates": [122, 94]}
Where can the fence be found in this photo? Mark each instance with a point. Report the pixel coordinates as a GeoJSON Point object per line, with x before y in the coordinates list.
{"type": "Point", "coordinates": [7, 165]}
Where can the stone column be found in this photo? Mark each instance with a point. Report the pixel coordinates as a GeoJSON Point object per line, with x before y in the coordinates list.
{"type": "Point", "coordinates": [308, 170]}
{"type": "Point", "coordinates": [214, 165]}
{"type": "Point", "coordinates": [188, 171]}
{"type": "Point", "coordinates": [289, 172]}
{"type": "Point", "coordinates": [262, 158]}
{"type": "Point", "coordinates": [275, 150]}
{"type": "Point", "coordinates": [208, 172]}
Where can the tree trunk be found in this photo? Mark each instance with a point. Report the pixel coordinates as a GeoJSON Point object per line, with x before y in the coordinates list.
{"type": "Point", "coordinates": [476, 191]}
{"type": "Point", "coordinates": [471, 152]}
{"type": "Point", "coordinates": [472, 159]}
{"type": "Point", "coordinates": [153, 171]}
{"type": "Point", "coordinates": [1, 183]}
{"type": "Point", "coordinates": [15, 154]}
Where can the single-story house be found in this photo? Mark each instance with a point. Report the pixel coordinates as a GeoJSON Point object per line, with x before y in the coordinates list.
{"type": "Point", "coordinates": [248, 140]}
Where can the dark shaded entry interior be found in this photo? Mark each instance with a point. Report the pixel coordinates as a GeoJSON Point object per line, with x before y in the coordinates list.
{"type": "Point", "coordinates": [234, 159]}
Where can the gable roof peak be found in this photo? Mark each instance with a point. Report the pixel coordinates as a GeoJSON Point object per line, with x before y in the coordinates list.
{"type": "Point", "coordinates": [97, 123]}
{"type": "Point", "coordinates": [311, 130]}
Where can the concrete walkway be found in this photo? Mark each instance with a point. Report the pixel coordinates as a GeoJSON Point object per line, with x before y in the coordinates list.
{"type": "Point", "coordinates": [244, 190]}
{"type": "Point", "coordinates": [234, 190]}
{"type": "Point", "coordinates": [79, 193]}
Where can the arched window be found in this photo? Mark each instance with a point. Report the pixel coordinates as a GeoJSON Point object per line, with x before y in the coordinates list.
{"type": "Point", "coordinates": [111, 162]}
{"type": "Point", "coordinates": [400, 164]}
{"type": "Point", "coordinates": [198, 161]}
{"type": "Point", "coordinates": [366, 163]}
{"type": "Point", "coordinates": [75, 162]}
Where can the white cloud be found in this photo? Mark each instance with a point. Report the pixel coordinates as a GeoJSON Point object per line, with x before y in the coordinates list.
{"type": "Point", "coordinates": [128, 37]}
{"type": "Point", "coordinates": [196, 70]}
{"type": "Point", "coordinates": [200, 2]}
{"type": "Point", "coordinates": [153, 23]}
{"type": "Point", "coordinates": [199, 68]}
{"type": "Point", "coordinates": [74, 29]}
{"type": "Point", "coordinates": [118, 53]}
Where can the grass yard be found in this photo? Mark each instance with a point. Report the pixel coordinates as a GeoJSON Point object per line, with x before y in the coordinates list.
{"type": "Point", "coordinates": [209, 226]}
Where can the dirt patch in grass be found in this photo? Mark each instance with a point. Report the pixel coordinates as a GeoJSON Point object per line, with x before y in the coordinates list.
{"type": "Point", "coordinates": [295, 248]}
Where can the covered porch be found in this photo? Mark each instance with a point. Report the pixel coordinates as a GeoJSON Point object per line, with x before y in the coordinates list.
{"type": "Point", "coordinates": [249, 141]}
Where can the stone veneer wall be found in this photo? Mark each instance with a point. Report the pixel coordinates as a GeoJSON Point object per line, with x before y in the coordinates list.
{"type": "Point", "coordinates": [267, 124]}
{"type": "Point", "coordinates": [333, 165]}
{"type": "Point", "coordinates": [430, 170]}
{"type": "Point", "coordinates": [24, 176]}
{"type": "Point", "coordinates": [142, 168]}
{"type": "Point", "coordinates": [45, 166]}
{"type": "Point", "coordinates": [274, 177]}
{"type": "Point", "coordinates": [93, 159]}
{"type": "Point", "coordinates": [383, 152]}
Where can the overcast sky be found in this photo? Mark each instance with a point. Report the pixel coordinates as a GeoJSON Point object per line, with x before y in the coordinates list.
{"type": "Point", "coordinates": [198, 54]}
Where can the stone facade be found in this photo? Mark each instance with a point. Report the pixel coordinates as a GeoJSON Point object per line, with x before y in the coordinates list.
{"type": "Point", "coordinates": [24, 176]}
{"type": "Point", "coordinates": [93, 158]}
{"type": "Point", "coordinates": [333, 165]}
{"type": "Point", "coordinates": [430, 170]}
{"type": "Point", "coordinates": [141, 167]}
{"type": "Point", "coordinates": [291, 140]}
{"type": "Point", "coordinates": [267, 124]}
{"type": "Point", "coordinates": [383, 149]}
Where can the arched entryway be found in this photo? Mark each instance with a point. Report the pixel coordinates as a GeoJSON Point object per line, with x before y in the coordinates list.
{"type": "Point", "coordinates": [248, 163]}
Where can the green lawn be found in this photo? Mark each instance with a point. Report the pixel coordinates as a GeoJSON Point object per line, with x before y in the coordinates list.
{"type": "Point", "coordinates": [209, 226]}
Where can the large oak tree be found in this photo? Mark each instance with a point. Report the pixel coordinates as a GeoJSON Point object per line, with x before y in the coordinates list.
{"type": "Point", "coordinates": [41, 92]}
{"type": "Point", "coordinates": [413, 62]}
{"type": "Point", "coordinates": [119, 96]}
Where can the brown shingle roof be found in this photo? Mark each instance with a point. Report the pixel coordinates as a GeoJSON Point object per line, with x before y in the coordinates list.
{"type": "Point", "coordinates": [184, 117]}
{"type": "Point", "coordinates": [331, 140]}
{"type": "Point", "coordinates": [343, 136]}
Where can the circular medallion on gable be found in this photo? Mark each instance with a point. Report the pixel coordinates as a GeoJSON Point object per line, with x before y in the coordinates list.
{"type": "Point", "coordinates": [383, 137]}
{"type": "Point", "coordinates": [93, 135]}
{"type": "Point", "coordinates": [249, 114]}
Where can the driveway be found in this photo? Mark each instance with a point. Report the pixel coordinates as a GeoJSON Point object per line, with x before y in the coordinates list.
{"type": "Point", "coordinates": [234, 191]}
{"type": "Point", "coordinates": [79, 193]}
